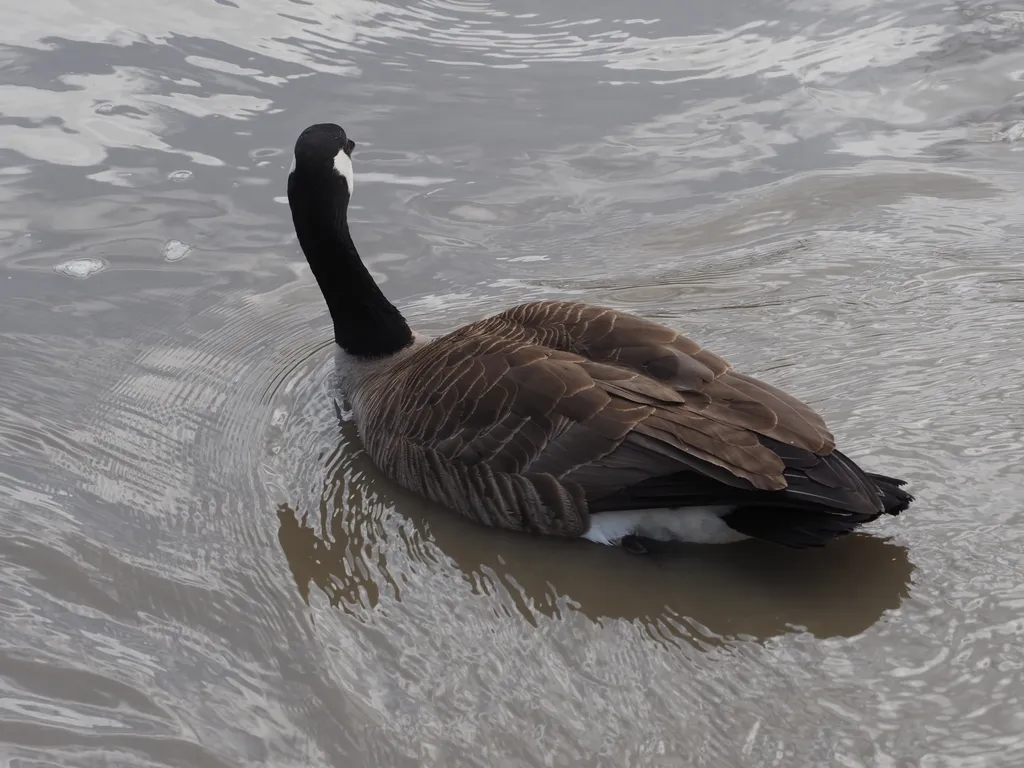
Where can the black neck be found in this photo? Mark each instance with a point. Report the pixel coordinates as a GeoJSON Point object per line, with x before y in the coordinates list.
{"type": "Point", "coordinates": [366, 324]}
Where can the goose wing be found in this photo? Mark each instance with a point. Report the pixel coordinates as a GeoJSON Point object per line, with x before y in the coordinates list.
{"type": "Point", "coordinates": [536, 417]}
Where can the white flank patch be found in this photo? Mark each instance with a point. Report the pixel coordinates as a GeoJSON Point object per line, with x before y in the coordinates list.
{"type": "Point", "coordinates": [291, 169]}
{"type": "Point", "coordinates": [343, 166]}
{"type": "Point", "coordinates": [694, 525]}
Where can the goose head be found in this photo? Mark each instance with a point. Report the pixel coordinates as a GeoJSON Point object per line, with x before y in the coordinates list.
{"type": "Point", "coordinates": [323, 161]}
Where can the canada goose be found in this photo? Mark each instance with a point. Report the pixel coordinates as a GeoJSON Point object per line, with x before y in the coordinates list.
{"type": "Point", "coordinates": [568, 419]}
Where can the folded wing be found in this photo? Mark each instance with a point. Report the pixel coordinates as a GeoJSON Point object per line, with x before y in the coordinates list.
{"type": "Point", "coordinates": [578, 409]}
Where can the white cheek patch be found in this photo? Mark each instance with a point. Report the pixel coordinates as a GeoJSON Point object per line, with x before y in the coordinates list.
{"type": "Point", "coordinates": [343, 167]}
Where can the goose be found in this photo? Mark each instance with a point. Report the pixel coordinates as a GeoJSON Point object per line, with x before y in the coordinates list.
{"type": "Point", "coordinates": [561, 418]}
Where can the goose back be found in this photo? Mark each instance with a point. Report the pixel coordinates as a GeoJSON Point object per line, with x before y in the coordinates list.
{"type": "Point", "coordinates": [538, 417]}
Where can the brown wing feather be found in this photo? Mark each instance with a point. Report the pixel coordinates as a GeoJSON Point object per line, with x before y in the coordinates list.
{"type": "Point", "coordinates": [523, 419]}
{"type": "Point", "coordinates": [664, 355]}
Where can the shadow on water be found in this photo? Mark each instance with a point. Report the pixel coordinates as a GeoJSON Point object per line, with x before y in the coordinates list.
{"type": "Point", "coordinates": [699, 594]}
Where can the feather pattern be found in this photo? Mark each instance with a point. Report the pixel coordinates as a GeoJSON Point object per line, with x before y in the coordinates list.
{"type": "Point", "coordinates": [538, 417]}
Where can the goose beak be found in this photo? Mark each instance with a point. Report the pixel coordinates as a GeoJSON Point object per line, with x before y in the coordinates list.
{"type": "Point", "coordinates": [349, 146]}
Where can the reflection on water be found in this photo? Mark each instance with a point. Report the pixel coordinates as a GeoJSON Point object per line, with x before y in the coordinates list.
{"type": "Point", "coordinates": [694, 595]}
{"type": "Point", "coordinates": [201, 568]}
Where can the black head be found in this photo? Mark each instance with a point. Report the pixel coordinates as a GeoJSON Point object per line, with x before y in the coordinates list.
{"type": "Point", "coordinates": [324, 152]}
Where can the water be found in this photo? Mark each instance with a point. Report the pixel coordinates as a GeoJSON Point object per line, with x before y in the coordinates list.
{"type": "Point", "coordinates": [201, 568]}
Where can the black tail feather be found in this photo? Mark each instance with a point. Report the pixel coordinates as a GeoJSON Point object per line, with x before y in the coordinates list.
{"type": "Point", "coordinates": [814, 526]}
{"type": "Point", "coordinates": [798, 528]}
{"type": "Point", "coordinates": [894, 498]}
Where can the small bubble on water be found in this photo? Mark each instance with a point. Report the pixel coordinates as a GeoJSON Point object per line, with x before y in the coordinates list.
{"type": "Point", "coordinates": [180, 176]}
{"type": "Point", "coordinates": [104, 109]}
{"type": "Point", "coordinates": [80, 268]}
{"type": "Point", "coordinates": [175, 250]}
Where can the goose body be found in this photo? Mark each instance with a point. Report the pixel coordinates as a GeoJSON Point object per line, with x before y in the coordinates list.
{"type": "Point", "coordinates": [568, 419]}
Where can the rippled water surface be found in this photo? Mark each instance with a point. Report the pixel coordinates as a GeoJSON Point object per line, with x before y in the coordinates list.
{"type": "Point", "coordinates": [201, 568]}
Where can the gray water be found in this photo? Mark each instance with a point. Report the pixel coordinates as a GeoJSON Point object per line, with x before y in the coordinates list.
{"type": "Point", "coordinates": [201, 568]}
